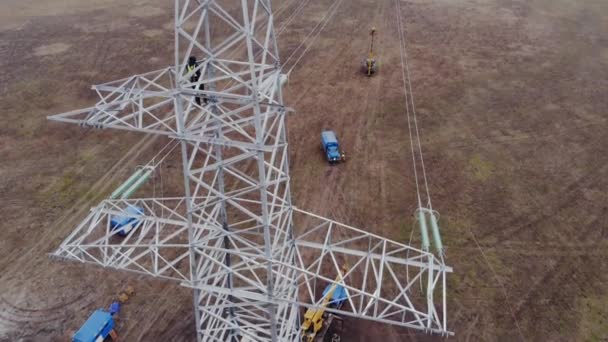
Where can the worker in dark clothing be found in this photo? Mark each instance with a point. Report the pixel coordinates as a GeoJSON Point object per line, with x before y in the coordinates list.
{"type": "Point", "coordinates": [192, 64]}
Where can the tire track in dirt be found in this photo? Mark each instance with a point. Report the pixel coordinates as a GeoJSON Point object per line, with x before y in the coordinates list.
{"type": "Point", "coordinates": [58, 230]}
{"type": "Point", "coordinates": [165, 294]}
{"type": "Point", "coordinates": [501, 287]}
{"type": "Point", "coordinates": [522, 222]}
{"type": "Point", "coordinates": [75, 213]}
{"type": "Point", "coordinates": [523, 136]}
{"type": "Point", "coordinates": [56, 307]}
{"type": "Point", "coordinates": [63, 225]}
{"type": "Point", "coordinates": [556, 272]}
{"type": "Point", "coordinates": [335, 194]}
{"type": "Point", "coordinates": [549, 248]}
{"type": "Point", "coordinates": [18, 316]}
{"type": "Point", "coordinates": [321, 201]}
{"type": "Point", "coordinates": [70, 217]}
{"type": "Point", "coordinates": [553, 275]}
{"type": "Point", "coordinates": [301, 96]}
{"type": "Point", "coordinates": [371, 104]}
{"type": "Point", "coordinates": [562, 253]}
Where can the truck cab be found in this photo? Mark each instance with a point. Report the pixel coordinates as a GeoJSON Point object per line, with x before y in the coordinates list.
{"type": "Point", "coordinates": [125, 223]}
{"type": "Point", "coordinates": [331, 147]}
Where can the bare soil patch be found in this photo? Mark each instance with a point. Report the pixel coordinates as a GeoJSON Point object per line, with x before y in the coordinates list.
{"type": "Point", "coordinates": [51, 49]}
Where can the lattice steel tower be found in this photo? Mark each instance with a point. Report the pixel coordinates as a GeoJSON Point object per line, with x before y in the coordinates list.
{"type": "Point", "coordinates": [252, 259]}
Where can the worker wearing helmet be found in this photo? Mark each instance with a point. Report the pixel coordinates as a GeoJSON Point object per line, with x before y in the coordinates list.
{"type": "Point", "coordinates": [195, 76]}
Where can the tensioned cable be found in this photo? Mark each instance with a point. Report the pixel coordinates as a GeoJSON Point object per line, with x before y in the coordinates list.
{"type": "Point", "coordinates": [330, 13]}
{"type": "Point", "coordinates": [407, 84]}
{"type": "Point", "coordinates": [326, 19]}
{"type": "Point", "coordinates": [291, 17]}
{"type": "Point", "coordinates": [165, 155]}
{"type": "Point", "coordinates": [153, 162]}
{"type": "Point", "coordinates": [280, 30]}
{"type": "Point", "coordinates": [281, 8]}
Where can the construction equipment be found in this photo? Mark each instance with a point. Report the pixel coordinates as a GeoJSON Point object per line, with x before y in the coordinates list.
{"type": "Point", "coordinates": [370, 66]}
{"type": "Point", "coordinates": [125, 295]}
{"type": "Point", "coordinates": [331, 147]}
{"type": "Point", "coordinates": [100, 325]}
{"type": "Point", "coordinates": [316, 320]}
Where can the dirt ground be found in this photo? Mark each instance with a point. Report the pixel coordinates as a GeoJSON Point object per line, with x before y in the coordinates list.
{"type": "Point", "coordinates": [511, 101]}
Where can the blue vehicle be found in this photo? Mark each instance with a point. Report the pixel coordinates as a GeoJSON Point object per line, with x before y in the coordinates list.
{"type": "Point", "coordinates": [114, 308]}
{"type": "Point", "coordinates": [124, 224]}
{"type": "Point", "coordinates": [331, 147]}
{"type": "Point", "coordinates": [338, 298]}
{"type": "Point", "coordinates": [98, 327]}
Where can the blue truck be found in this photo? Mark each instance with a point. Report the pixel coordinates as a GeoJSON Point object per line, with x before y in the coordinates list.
{"type": "Point", "coordinates": [331, 147]}
{"type": "Point", "coordinates": [124, 224]}
{"type": "Point", "coordinates": [97, 328]}
{"type": "Point", "coordinates": [100, 325]}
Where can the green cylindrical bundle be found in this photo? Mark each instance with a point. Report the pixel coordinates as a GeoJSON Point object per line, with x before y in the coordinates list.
{"type": "Point", "coordinates": [126, 184]}
{"type": "Point", "coordinates": [436, 234]}
{"type": "Point", "coordinates": [137, 184]}
{"type": "Point", "coordinates": [424, 232]}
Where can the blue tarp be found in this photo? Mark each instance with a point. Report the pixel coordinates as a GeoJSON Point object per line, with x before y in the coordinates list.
{"type": "Point", "coordinates": [121, 222]}
{"type": "Point", "coordinates": [100, 323]}
{"type": "Point", "coordinates": [339, 295]}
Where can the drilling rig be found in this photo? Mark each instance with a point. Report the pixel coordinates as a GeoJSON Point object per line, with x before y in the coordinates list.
{"type": "Point", "coordinates": [370, 65]}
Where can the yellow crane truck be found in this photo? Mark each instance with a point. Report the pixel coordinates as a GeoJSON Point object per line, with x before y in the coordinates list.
{"type": "Point", "coordinates": [316, 320]}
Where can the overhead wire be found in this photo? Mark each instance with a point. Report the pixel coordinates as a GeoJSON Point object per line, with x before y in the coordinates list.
{"type": "Point", "coordinates": [155, 163]}
{"type": "Point", "coordinates": [326, 19]}
{"type": "Point", "coordinates": [413, 130]}
{"type": "Point", "coordinates": [329, 15]}
{"type": "Point", "coordinates": [291, 17]}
